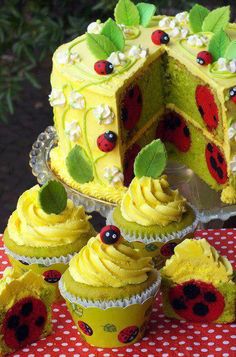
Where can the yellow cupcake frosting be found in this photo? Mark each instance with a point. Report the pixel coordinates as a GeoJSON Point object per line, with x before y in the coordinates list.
{"type": "Point", "coordinates": [103, 265]}
{"type": "Point", "coordinates": [150, 201]}
{"type": "Point", "coordinates": [197, 259]}
{"type": "Point", "coordinates": [29, 225]}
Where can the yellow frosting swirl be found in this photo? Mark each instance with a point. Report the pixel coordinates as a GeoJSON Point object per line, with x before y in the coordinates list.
{"type": "Point", "coordinates": [29, 225]}
{"type": "Point", "coordinates": [197, 259]}
{"type": "Point", "coordinates": [116, 265]}
{"type": "Point", "coordinates": [151, 202]}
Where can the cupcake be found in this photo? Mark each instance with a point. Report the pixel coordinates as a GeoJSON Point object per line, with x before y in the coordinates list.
{"type": "Point", "coordinates": [151, 214]}
{"type": "Point", "coordinates": [109, 289]}
{"type": "Point", "coordinates": [45, 231]}
{"type": "Point", "coordinates": [197, 284]}
{"type": "Point", "coordinates": [25, 310]}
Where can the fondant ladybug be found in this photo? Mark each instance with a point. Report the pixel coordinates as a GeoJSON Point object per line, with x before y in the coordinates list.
{"type": "Point", "coordinates": [207, 106]}
{"type": "Point", "coordinates": [85, 328]}
{"type": "Point", "coordinates": [52, 276]}
{"type": "Point", "coordinates": [204, 58]}
{"type": "Point", "coordinates": [232, 94]}
{"type": "Point", "coordinates": [24, 322]}
{"type": "Point", "coordinates": [173, 129]}
{"type": "Point", "coordinates": [103, 67]}
{"type": "Point", "coordinates": [107, 141]}
{"type": "Point", "coordinates": [128, 334]}
{"type": "Point", "coordinates": [131, 108]}
{"type": "Point", "coordinates": [197, 301]}
{"type": "Point", "coordinates": [160, 37]}
{"type": "Point", "coordinates": [110, 234]}
{"type": "Point", "coordinates": [216, 163]}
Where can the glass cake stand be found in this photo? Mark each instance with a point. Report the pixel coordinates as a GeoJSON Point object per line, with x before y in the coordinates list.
{"type": "Point", "coordinates": [204, 199]}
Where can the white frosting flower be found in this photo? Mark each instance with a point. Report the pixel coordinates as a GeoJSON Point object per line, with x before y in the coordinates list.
{"type": "Point", "coordinates": [76, 100]}
{"type": "Point", "coordinates": [94, 27]}
{"type": "Point", "coordinates": [175, 32]}
{"type": "Point", "coordinates": [182, 17]}
{"type": "Point", "coordinates": [126, 30]}
{"type": "Point", "coordinates": [222, 64]}
{"type": "Point", "coordinates": [104, 114]}
{"type": "Point", "coordinates": [173, 24]}
{"type": "Point", "coordinates": [165, 22]}
{"type": "Point", "coordinates": [232, 132]}
{"type": "Point", "coordinates": [113, 175]}
{"type": "Point", "coordinates": [138, 52]}
{"type": "Point", "coordinates": [233, 164]}
{"type": "Point", "coordinates": [232, 66]}
{"type": "Point", "coordinates": [184, 32]}
{"type": "Point", "coordinates": [197, 41]}
{"type": "Point", "coordinates": [73, 130]}
{"type": "Point", "coordinates": [65, 57]}
{"type": "Point", "coordinates": [56, 98]}
{"type": "Point", "coordinates": [117, 58]}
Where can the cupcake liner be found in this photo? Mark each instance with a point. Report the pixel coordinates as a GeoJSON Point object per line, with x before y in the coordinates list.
{"type": "Point", "coordinates": [152, 238]}
{"type": "Point", "coordinates": [64, 259]}
{"type": "Point", "coordinates": [135, 299]}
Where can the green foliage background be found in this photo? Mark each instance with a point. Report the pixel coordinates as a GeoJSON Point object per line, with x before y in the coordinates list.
{"type": "Point", "coordinates": [30, 30]}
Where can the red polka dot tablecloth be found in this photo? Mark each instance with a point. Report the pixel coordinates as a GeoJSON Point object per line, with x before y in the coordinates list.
{"type": "Point", "coordinates": [164, 337]}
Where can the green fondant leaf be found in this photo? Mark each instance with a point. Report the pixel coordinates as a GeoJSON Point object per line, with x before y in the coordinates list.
{"type": "Point", "coordinates": [216, 19]}
{"type": "Point", "coordinates": [196, 17]}
{"type": "Point", "coordinates": [151, 161]}
{"type": "Point", "coordinates": [230, 52]}
{"type": "Point", "coordinates": [146, 12]}
{"type": "Point", "coordinates": [79, 165]}
{"type": "Point", "coordinates": [126, 13]}
{"type": "Point", "coordinates": [100, 46]}
{"type": "Point", "coordinates": [114, 33]}
{"type": "Point", "coordinates": [218, 44]}
{"type": "Point", "coordinates": [53, 197]}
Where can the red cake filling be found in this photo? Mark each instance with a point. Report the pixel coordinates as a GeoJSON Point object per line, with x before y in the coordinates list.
{"type": "Point", "coordinates": [131, 107]}
{"type": "Point", "coordinates": [216, 163]}
{"type": "Point", "coordinates": [207, 106]}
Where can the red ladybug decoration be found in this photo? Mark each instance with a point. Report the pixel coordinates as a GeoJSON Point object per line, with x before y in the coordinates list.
{"type": "Point", "coordinates": [103, 67]}
{"type": "Point", "coordinates": [204, 58]}
{"type": "Point", "coordinates": [110, 234]}
{"type": "Point", "coordinates": [107, 141]}
{"type": "Point", "coordinates": [160, 37]}
{"type": "Point", "coordinates": [232, 94]}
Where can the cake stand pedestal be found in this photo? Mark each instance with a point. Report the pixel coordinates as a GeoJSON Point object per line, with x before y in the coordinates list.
{"type": "Point", "coordinates": [204, 199]}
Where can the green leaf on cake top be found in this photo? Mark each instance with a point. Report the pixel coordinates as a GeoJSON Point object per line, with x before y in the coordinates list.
{"type": "Point", "coordinates": [218, 44]}
{"type": "Point", "coordinates": [151, 161]}
{"type": "Point", "coordinates": [196, 17]}
{"type": "Point", "coordinates": [216, 20]}
{"type": "Point", "coordinates": [100, 45]}
{"type": "Point", "coordinates": [230, 52]}
{"type": "Point", "coordinates": [126, 13]}
{"type": "Point", "coordinates": [79, 166]}
{"type": "Point", "coordinates": [53, 197]}
{"type": "Point", "coordinates": [112, 31]}
{"type": "Point", "coordinates": [146, 12]}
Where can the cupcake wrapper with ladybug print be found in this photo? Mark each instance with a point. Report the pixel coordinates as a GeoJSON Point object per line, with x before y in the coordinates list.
{"type": "Point", "coordinates": [114, 323]}
{"type": "Point", "coordinates": [199, 301]}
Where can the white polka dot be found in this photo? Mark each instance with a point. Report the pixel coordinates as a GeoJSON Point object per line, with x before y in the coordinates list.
{"type": "Point", "coordinates": [40, 349]}
{"type": "Point", "coordinates": [159, 349]}
{"type": "Point", "coordinates": [66, 332]}
{"type": "Point", "coordinates": [211, 343]}
{"type": "Point", "coordinates": [151, 343]}
{"type": "Point", "coordinates": [211, 331]}
{"type": "Point", "coordinates": [160, 326]}
{"type": "Point", "coordinates": [233, 348]}
{"type": "Point", "coordinates": [56, 349]}
{"type": "Point", "coordinates": [64, 344]}
{"type": "Point", "coordinates": [189, 337]}
{"type": "Point", "coordinates": [71, 349]}
{"type": "Point", "coordinates": [128, 350]}
{"type": "Point", "coordinates": [55, 310]}
{"type": "Point", "coordinates": [165, 355]}
{"type": "Point", "coordinates": [218, 349]}
{"type": "Point", "coordinates": [196, 343]}
{"type": "Point", "coordinates": [204, 350]}
{"type": "Point", "coordinates": [218, 337]}
{"type": "Point", "coordinates": [47, 355]}
{"type": "Point", "coordinates": [182, 343]}
{"type": "Point", "coordinates": [233, 336]}
{"type": "Point", "coordinates": [159, 338]}
{"type": "Point", "coordinates": [225, 355]}
{"type": "Point", "coordinates": [166, 344]}
{"type": "Point", "coordinates": [68, 321]}
{"type": "Point", "coordinates": [62, 355]}
{"type": "Point", "coordinates": [173, 337]}
{"type": "Point", "coordinates": [91, 355]}
{"type": "Point", "coordinates": [182, 331]}
{"type": "Point", "coordinates": [62, 315]}
{"type": "Point", "coordinates": [58, 338]}
{"type": "Point", "coordinates": [189, 348]}
{"type": "Point", "coordinates": [197, 332]}
{"type": "Point", "coordinates": [136, 355]}
{"type": "Point", "coordinates": [190, 326]}
{"type": "Point", "coordinates": [166, 331]}
{"type": "Point", "coordinates": [204, 338]}
{"type": "Point", "coordinates": [180, 354]}
{"type": "Point", "coordinates": [196, 355]}
{"type": "Point", "coordinates": [31, 355]}
{"type": "Point", "coordinates": [85, 349]}
{"type": "Point", "coordinates": [60, 326]}
{"type": "Point", "coordinates": [225, 342]}
{"type": "Point", "coordinates": [25, 350]}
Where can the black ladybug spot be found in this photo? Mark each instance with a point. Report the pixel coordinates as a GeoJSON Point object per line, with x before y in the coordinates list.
{"type": "Point", "coordinates": [139, 99]}
{"type": "Point", "coordinates": [210, 297]}
{"type": "Point", "coordinates": [219, 172]}
{"type": "Point", "coordinates": [201, 110]}
{"type": "Point", "coordinates": [27, 308]}
{"type": "Point", "coordinates": [124, 114]}
{"type": "Point", "coordinates": [220, 158]}
{"type": "Point", "coordinates": [209, 147]}
{"type": "Point", "coordinates": [213, 163]}
{"type": "Point", "coordinates": [186, 131]}
{"type": "Point", "coordinates": [40, 321]}
{"type": "Point", "coordinates": [200, 309]}
{"type": "Point", "coordinates": [131, 92]}
{"type": "Point", "coordinates": [191, 291]}
{"type": "Point", "coordinates": [215, 118]}
{"type": "Point", "coordinates": [13, 321]}
{"type": "Point", "coordinates": [178, 304]}
{"type": "Point", "coordinates": [22, 332]}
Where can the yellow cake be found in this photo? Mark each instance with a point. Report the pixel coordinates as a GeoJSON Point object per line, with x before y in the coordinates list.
{"type": "Point", "coordinates": [123, 83]}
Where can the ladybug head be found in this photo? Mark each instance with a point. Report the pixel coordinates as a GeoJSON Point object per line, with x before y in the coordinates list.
{"type": "Point", "coordinates": [110, 136]}
{"type": "Point", "coordinates": [110, 234]}
{"type": "Point", "coordinates": [232, 94]}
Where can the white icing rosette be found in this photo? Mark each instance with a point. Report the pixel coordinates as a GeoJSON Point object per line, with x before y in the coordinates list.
{"type": "Point", "coordinates": [113, 175]}
{"type": "Point", "coordinates": [57, 98]}
{"type": "Point", "coordinates": [73, 130]}
{"type": "Point", "coordinates": [95, 27]}
{"type": "Point", "coordinates": [233, 164]}
{"type": "Point", "coordinates": [225, 65]}
{"type": "Point", "coordinates": [137, 52]}
{"type": "Point", "coordinates": [104, 114]}
{"type": "Point", "coordinates": [65, 57]}
{"type": "Point", "coordinates": [197, 40]}
{"type": "Point", "coordinates": [117, 59]}
{"type": "Point", "coordinates": [232, 131]}
{"type": "Point", "coordinates": [76, 100]}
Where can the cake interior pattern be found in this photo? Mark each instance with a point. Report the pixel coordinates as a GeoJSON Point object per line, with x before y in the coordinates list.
{"type": "Point", "coordinates": [130, 80]}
